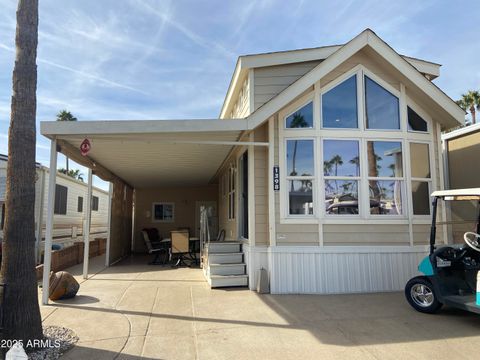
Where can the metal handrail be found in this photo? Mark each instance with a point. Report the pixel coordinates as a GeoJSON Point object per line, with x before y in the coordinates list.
{"type": "Point", "coordinates": [204, 233]}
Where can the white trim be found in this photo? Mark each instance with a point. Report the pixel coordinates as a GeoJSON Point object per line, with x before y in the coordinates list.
{"type": "Point", "coordinates": [363, 249]}
{"type": "Point", "coordinates": [169, 203]}
{"type": "Point", "coordinates": [455, 115]}
{"type": "Point", "coordinates": [83, 128]}
{"type": "Point", "coordinates": [460, 132]}
{"type": "Point", "coordinates": [109, 225]}
{"type": "Point", "coordinates": [271, 192]}
{"type": "Point", "coordinates": [47, 259]}
{"type": "Point", "coordinates": [251, 192]}
{"type": "Point", "coordinates": [39, 217]}
{"type": "Point", "coordinates": [251, 89]}
{"type": "Point", "coordinates": [86, 231]}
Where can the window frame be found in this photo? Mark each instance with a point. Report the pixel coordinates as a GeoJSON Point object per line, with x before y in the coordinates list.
{"type": "Point", "coordinates": [403, 179]}
{"type": "Point", "coordinates": [395, 92]}
{"type": "Point", "coordinates": [80, 204]}
{"type": "Point", "coordinates": [324, 178]}
{"type": "Point", "coordinates": [431, 180]}
{"type": "Point", "coordinates": [284, 180]}
{"type": "Point", "coordinates": [357, 72]}
{"type": "Point", "coordinates": [58, 209]}
{"type": "Point", "coordinates": [95, 203]}
{"type": "Point", "coordinates": [297, 105]}
{"type": "Point", "coordinates": [361, 134]}
{"type": "Point", "coordinates": [415, 107]}
{"type": "Point", "coordinates": [163, 203]}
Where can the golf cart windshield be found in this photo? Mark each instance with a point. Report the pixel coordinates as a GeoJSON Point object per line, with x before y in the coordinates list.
{"type": "Point", "coordinates": [463, 207]}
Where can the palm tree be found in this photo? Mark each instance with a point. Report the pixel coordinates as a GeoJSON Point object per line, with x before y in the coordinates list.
{"type": "Point", "coordinates": [336, 160]}
{"type": "Point", "coordinates": [65, 115]}
{"type": "Point", "coordinates": [356, 161]}
{"type": "Point", "coordinates": [471, 102]}
{"type": "Point", "coordinates": [298, 121]}
{"type": "Point", "coordinates": [22, 320]}
{"type": "Point", "coordinates": [76, 174]}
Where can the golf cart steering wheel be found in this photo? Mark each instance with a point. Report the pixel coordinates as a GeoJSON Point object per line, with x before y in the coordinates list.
{"type": "Point", "coordinates": [475, 243]}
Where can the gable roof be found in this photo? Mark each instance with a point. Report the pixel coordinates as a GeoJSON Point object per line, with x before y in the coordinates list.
{"type": "Point", "coordinates": [452, 114]}
{"type": "Point", "coordinates": [246, 62]}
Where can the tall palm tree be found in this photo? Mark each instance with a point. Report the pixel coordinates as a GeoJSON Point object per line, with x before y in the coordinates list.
{"type": "Point", "coordinates": [356, 161]}
{"type": "Point", "coordinates": [336, 160]}
{"type": "Point", "coordinates": [471, 102]}
{"type": "Point", "coordinates": [22, 320]}
{"type": "Point", "coordinates": [298, 121]}
{"type": "Point", "coordinates": [65, 115]}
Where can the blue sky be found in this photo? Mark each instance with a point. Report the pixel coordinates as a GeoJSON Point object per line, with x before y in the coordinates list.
{"type": "Point", "coordinates": [152, 59]}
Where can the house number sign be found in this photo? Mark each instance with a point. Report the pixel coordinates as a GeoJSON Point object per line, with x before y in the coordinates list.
{"type": "Point", "coordinates": [276, 178]}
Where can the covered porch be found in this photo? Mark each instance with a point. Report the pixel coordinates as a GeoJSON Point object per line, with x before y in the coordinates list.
{"type": "Point", "coordinates": [161, 173]}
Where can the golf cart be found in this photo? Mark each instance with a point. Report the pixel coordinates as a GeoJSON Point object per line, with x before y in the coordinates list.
{"type": "Point", "coordinates": [450, 271]}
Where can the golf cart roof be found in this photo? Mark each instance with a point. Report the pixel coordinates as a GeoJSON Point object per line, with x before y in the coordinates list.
{"type": "Point", "coordinates": [458, 194]}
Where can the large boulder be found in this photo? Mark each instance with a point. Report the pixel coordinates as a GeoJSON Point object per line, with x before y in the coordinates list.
{"type": "Point", "coordinates": [62, 286]}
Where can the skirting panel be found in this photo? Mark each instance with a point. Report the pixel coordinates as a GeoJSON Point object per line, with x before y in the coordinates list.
{"type": "Point", "coordinates": [255, 259]}
{"type": "Point", "coordinates": [328, 270]}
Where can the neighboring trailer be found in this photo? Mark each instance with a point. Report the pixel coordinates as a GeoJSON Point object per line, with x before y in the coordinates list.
{"type": "Point", "coordinates": [461, 149]}
{"type": "Point", "coordinates": [70, 206]}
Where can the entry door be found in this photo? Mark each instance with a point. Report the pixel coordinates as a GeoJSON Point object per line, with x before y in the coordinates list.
{"type": "Point", "coordinates": [212, 219]}
{"type": "Point", "coordinates": [243, 223]}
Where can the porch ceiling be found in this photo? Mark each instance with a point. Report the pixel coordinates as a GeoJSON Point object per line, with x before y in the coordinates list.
{"type": "Point", "coordinates": [178, 156]}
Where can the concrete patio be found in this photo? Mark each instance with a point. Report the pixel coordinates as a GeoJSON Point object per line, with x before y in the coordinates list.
{"type": "Point", "coordinates": [133, 310]}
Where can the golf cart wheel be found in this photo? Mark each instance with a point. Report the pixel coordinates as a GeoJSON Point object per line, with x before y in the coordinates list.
{"type": "Point", "coordinates": [420, 294]}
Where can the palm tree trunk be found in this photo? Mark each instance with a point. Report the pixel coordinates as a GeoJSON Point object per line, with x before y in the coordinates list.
{"type": "Point", "coordinates": [22, 319]}
{"type": "Point", "coordinates": [293, 162]}
{"type": "Point", "coordinates": [66, 163]}
{"type": "Point", "coordinates": [372, 170]}
{"type": "Point", "coordinates": [474, 115]}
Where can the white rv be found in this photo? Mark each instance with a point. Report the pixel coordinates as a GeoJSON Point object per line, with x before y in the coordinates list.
{"type": "Point", "coordinates": [70, 203]}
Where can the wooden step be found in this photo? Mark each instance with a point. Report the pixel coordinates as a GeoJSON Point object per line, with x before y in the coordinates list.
{"type": "Point", "coordinates": [217, 281]}
{"type": "Point", "coordinates": [226, 269]}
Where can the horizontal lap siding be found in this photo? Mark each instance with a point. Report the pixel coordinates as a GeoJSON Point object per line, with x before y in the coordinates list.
{"type": "Point", "coordinates": [270, 81]}
{"type": "Point", "coordinates": [63, 225]}
{"type": "Point", "coordinates": [241, 107]}
{"type": "Point", "coordinates": [261, 189]}
{"type": "Point", "coordinates": [348, 234]}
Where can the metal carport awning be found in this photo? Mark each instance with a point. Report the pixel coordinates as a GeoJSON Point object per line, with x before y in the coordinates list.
{"type": "Point", "coordinates": [141, 154]}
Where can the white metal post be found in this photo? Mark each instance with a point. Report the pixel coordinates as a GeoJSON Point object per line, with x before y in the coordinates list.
{"type": "Point", "coordinates": [49, 227]}
{"type": "Point", "coordinates": [86, 231]}
{"type": "Point", "coordinates": [39, 217]}
{"type": "Point", "coordinates": [109, 231]}
{"type": "Point", "coordinates": [271, 192]}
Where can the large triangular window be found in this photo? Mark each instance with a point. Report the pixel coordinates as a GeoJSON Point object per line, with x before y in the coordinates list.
{"type": "Point", "coordinates": [382, 109]}
{"type": "Point", "coordinates": [339, 105]}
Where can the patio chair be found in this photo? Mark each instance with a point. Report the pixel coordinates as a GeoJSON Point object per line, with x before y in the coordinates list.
{"type": "Point", "coordinates": [155, 248]}
{"type": "Point", "coordinates": [180, 247]}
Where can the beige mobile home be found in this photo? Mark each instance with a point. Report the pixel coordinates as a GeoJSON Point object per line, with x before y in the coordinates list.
{"type": "Point", "coordinates": [319, 168]}
{"type": "Point", "coordinates": [69, 209]}
{"type": "Point", "coordinates": [461, 150]}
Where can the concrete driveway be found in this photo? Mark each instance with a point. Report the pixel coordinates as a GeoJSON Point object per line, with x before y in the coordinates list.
{"type": "Point", "coordinates": [132, 311]}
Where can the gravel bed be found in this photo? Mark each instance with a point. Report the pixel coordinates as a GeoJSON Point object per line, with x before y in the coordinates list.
{"type": "Point", "coordinates": [60, 339]}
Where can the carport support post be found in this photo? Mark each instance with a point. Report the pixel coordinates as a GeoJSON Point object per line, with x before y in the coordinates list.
{"type": "Point", "coordinates": [86, 232]}
{"type": "Point", "coordinates": [109, 224]}
{"type": "Point", "coordinates": [47, 258]}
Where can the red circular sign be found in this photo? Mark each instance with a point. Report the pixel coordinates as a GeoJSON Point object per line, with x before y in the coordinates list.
{"type": "Point", "coordinates": [85, 147]}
